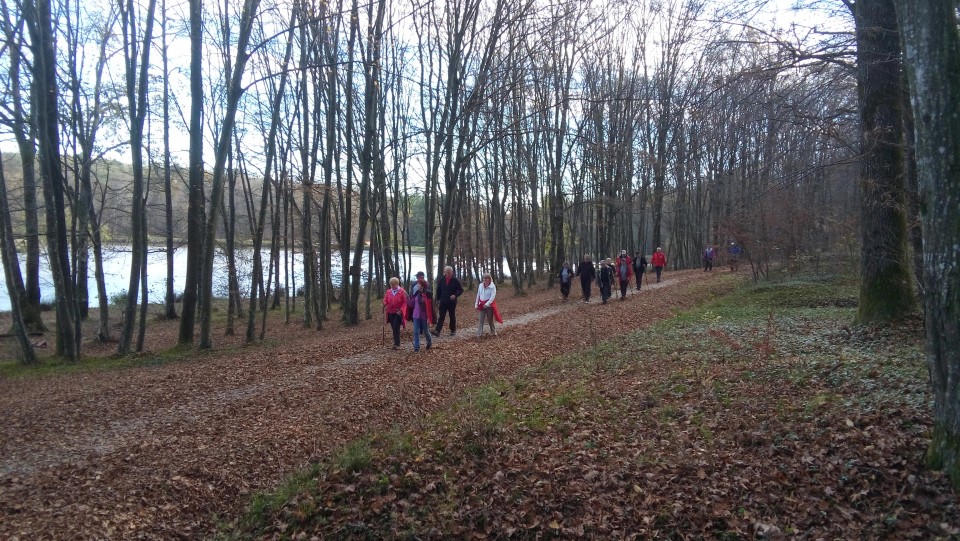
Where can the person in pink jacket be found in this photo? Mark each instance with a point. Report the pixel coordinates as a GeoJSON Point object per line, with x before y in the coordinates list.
{"type": "Point", "coordinates": [394, 308]}
{"type": "Point", "coordinates": [624, 272]}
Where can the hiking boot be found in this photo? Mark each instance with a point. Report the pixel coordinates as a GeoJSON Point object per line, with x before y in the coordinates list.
{"type": "Point", "coordinates": [435, 332]}
{"type": "Point", "coordinates": [429, 346]}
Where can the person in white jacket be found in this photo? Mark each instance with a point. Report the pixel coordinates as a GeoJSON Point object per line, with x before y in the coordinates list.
{"type": "Point", "coordinates": [486, 294]}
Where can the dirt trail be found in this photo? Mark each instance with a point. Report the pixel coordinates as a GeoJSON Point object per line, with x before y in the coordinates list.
{"type": "Point", "coordinates": [166, 451]}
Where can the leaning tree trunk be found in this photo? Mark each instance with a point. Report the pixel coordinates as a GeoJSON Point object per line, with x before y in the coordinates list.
{"type": "Point", "coordinates": [234, 92]}
{"type": "Point", "coordinates": [25, 133]}
{"type": "Point", "coordinates": [932, 47]}
{"type": "Point", "coordinates": [886, 289]}
{"type": "Point", "coordinates": [11, 267]}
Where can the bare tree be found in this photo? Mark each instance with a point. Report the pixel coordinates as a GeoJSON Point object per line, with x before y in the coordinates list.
{"type": "Point", "coordinates": [234, 92]}
{"type": "Point", "coordinates": [137, 48]}
{"type": "Point", "coordinates": [46, 91]}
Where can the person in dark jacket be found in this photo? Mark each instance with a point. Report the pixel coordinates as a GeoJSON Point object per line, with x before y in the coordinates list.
{"type": "Point", "coordinates": [605, 279]}
{"type": "Point", "coordinates": [639, 267]}
{"type": "Point", "coordinates": [565, 276]}
{"type": "Point", "coordinates": [709, 254]}
{"type": "Point", "coordinates": [448, 290]}
{"type": "Point", "coordinates": [587, 274]}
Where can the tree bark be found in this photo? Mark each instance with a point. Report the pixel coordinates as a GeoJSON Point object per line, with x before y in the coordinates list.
{"type": "Point", "coordinates": [137, 58]}
{"type": "Point", "coordinates": [170, 297]}
{"type": "Point", "coordinates": [932, 48]}
{"type": "Point", "coordinates": [39, 22]}
{"type": "Point", "coordinates": [11, 268]}
{"type": "Point", "coordinates": [195, 205]}
{"type": "Point", "coordinates": [24, 129]}
{"type": "Point", "coordinates": [886, 288]}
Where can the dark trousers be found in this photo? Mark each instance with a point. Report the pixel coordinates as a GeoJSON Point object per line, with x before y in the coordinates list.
{"type": "Point", "coordinates": [659, 270]}
{"type": "Point", "coordinates": [605, 291]}
{"type": "Point", "coordinates": [707, 264]}
{"type": "Point", "coordinates": [624, 284]}
{"type": "Point", "coordinates": [639, 280]}
{"type": "Point", "coordinates": [586, 286]}
{"type": "Point", "coordinates": [445, 309]}
{"type": "Point", "coordinates": [565, 289]}
{"type": "Point", "coordinates": [395, 321]}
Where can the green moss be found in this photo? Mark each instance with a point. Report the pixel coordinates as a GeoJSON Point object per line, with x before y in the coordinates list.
{"type": "Point", "coordinates": [944, 453]}
{"type": "Point", "coordinates": [888, 297]}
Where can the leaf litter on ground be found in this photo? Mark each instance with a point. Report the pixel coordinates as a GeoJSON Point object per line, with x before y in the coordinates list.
{"type": "Point", "coordinates": [744, 418]}
{"type": "Point", "coordinates": [737, 420]}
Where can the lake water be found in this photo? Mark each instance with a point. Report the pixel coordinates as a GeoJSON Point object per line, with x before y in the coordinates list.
{"type": "Point", "coordinates": [116, 263]}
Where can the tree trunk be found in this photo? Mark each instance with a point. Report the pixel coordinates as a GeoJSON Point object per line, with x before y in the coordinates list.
{"type": "Point", "coordinates": [39, 21]}
{"type": "Point", "coordinates": [932, 47]}
{"type": "Point", "coordinates": [257, 275]}
{"type": "Point", "coordinates": [370, 146]}
{"type": "Point", "coordinates": [11, 268]}
{"type": "Point", "coordinates": [195, 205]}
{"type": "Point", "coordinates": [170, 297]}
{"type": "Point", "coordinates": [137, 58]}
{"type": "Point", "coordinates": [24, 129]}
{"type": "Point", "coordinates": [886, 291]}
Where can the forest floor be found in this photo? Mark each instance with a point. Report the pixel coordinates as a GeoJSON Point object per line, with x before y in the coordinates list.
{"type": "Point", "coordinates": [680, 412]}
{"type": "Point", "coordinates": [169, 444]}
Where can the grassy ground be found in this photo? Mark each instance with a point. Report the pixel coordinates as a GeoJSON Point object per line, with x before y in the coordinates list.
{"type": "Point", "coordinates": [760, 414]}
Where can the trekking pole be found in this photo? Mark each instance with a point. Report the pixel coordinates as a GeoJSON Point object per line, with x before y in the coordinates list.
{"type": "Point", "coordinates": [383, 326]}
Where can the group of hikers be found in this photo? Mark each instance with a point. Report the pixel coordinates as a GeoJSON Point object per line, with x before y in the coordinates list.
{"type": "Point", "coordinates": [733, 256]}
{"type": "Point", "coordinates": [399, 306]}
{"type": "Point", "coordinates": [621, 271]}
{"type": "Point", "coordinates": [417, 306]}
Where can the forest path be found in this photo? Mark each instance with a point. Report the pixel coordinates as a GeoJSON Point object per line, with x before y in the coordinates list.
{"type": "Point", "coordinates": [162, 451]}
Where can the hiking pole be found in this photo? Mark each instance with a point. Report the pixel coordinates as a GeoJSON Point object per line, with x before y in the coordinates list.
{"type": "Point", "coordinates": [383, 326]}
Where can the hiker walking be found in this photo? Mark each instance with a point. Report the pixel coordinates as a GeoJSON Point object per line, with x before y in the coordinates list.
{"type": "Point", "coordinates": [394, 306]}
{"type": "Point", "coordinates": [421, 311]}
{"type": "Point", "coordinates": [587, 274]}
{"type": "Point", "coordinates": [659, 261]}
{"type": "Point", "coordinates": [708, 256]}
{"type": "Point", "coordinates": [486, 305]}
{"type": "Point", "coordinates": [624, 272]}
{"type": "Point", "coordinates": [566, 279]}
{"type": "Point", "coordinates": [605, 280]}
{"type": "Point", "coordinates": [639, 267]}
{"type": "Point", "coordinates": [448, 291]}
{"type": "Point", "coordinates": [733, 256]}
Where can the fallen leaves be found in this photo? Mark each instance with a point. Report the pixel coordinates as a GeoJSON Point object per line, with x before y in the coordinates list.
{"type": "Point", "coordinates": [749, 451]}
{"type": "Point", "coordinates": [181, 445]}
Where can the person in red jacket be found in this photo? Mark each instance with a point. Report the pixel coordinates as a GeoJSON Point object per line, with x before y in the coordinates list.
{"type": "Point", "coordinates": [394, 307]}
{"type": "Point", "coordinates": [659, 261]}
{"type": "Point", "coordinates": [624, 272]}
